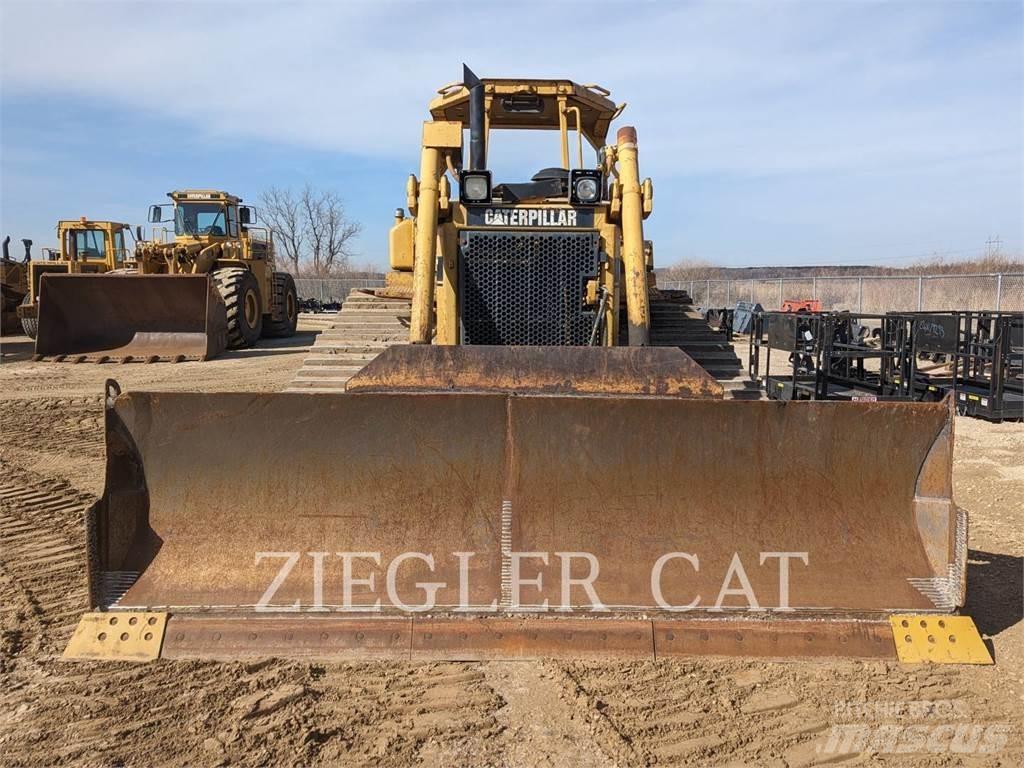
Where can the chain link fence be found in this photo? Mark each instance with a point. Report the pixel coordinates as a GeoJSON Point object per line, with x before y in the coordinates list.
{"type": "Point", "coordinates": [869, 294]}
{"type": "Point", "coordinates": [331, 289]}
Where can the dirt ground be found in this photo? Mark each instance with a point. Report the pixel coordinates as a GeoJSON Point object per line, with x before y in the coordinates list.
{"type": "Point", "coordinates": [582, 713]}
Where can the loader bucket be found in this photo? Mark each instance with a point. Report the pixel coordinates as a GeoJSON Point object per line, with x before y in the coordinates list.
{"type": "Point", "coordinates": [129, 317]}
{"type": "Point", "coordinates": [472, 524]}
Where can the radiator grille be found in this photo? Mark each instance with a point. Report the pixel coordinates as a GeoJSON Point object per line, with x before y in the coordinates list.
{"type": "Point", "coordinates": [526, 288]}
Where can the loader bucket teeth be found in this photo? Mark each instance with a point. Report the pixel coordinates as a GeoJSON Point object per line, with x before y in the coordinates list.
{"type": "Point", "coordinates": [504, 504]}
{"type": "Point", "coordinates": [125, 318]}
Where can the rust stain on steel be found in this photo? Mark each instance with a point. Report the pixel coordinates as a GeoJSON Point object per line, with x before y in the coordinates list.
{"type": "Point", "coordinates": [513, 638]}
{"type": "Point", "coordinates": [774, 639]}
{"type": "Point", "coordinates": [363, 474]}
{"type": "Point", "coordinates": [475, 639]}
{"type": "Point", "coordinates": [625, 478]}
{"type": "Point", "coordinates": [537, 370]}
{"type": "Point", "coordinates": [129, 318]}
{"type": "Point", "coordinates": [240, 637]}
{"type": "Point", "coordinates": [632, 478]}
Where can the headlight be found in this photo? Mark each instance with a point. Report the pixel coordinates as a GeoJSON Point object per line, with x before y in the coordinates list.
{"type": "Point", "coordinates": [475, 187]}
{"type": "Point", "coordinates": [585, 186]}
{"type": "Point", "coordinates": [586, 190]}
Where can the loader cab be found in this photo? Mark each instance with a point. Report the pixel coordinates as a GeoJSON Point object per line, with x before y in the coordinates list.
{"type": "Point", "coordinates": [205, 228]}
{"type": "Point", "coordinates": [86, 247]}
{"type": "Point", "coordinates": [202, 215]}
{"type": "Point", "coordinates": [96, 245]}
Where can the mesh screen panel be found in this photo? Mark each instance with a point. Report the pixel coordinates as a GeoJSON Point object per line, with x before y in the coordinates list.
{"type": "Point", "coordinates": [526, 288]}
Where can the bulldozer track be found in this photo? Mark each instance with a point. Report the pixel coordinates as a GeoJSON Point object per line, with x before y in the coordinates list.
{"type": "Point", "coordinates": [42, 548]}
{"type": "Point", "coordinates": [365, 326]}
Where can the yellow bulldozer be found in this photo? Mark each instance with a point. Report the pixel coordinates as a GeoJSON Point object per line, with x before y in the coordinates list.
{"type": "Point", "coordinates": [516, 482]}
{"type": "Point", "coordinates": [183, 297]}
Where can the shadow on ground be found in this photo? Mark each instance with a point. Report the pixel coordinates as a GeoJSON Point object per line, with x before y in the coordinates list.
{"type": "Point", "coordinates": [995, 590]}
{"type": "Point", "coordinates": [16, 349]}
{"type": "Point", "coordinates": [266, 347]}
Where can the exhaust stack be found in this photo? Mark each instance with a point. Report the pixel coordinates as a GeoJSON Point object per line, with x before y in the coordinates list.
{"type": "Point", "coordinates": [477, 140]}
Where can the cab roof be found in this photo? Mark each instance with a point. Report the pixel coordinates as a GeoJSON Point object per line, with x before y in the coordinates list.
{"type": "Point", "coordinates": [186, 195]}
{"type": "Point", "coordinates": [84, 223]}
{"type": "Point", "coordinates": [532, 105]}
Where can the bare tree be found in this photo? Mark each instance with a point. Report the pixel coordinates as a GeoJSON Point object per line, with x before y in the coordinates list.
{"type": "Point", "coordinates": [311, 229]}
{"type": "Point", "coordinates": [280, 211]}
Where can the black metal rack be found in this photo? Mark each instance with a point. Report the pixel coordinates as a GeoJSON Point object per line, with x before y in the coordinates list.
{"type": "Point", "coordinates": [829, 354]}
{"type": "Point", "coordinates": [988, 369]}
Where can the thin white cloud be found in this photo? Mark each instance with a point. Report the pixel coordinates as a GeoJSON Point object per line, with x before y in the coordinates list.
{"type": "Point", "coordinates": [769, 127]}
{"type": "Point", "coordinates": [740, 88]}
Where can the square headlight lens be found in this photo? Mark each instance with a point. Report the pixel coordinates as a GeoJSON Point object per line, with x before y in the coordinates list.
{"type": "Point", "coordinates": [476, 187]}
{"type": "Point", "coordinates": [585, 186]}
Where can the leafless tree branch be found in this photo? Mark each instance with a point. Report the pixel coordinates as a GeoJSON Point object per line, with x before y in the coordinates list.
{"type": "Point", "coordinates": [311, 229]}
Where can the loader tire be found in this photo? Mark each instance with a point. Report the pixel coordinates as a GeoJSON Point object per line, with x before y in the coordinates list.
{"type": "Point", "coordinates": [241, 293]}
{"type": "Point", "coordinates": [30, 325]}
{"type": "Point", "coordinates": [285, 303]}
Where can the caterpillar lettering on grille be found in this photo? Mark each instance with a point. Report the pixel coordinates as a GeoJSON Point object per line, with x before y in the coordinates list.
{"type": "Point", "coordinates": [526, 288]}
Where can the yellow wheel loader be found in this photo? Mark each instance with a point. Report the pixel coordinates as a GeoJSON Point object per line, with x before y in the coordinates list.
{"type": "Point", "coordinates": [87, 247]}
{"type": "Point", "coordinates": [14, 285]}
{"type": "Point", "coordinates": [513, 483]}
{"type": "Point", "coordinates": [187, 297]}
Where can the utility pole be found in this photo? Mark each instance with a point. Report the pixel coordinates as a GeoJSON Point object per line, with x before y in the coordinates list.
{"type": "Point", "coordinates": [993, 245]}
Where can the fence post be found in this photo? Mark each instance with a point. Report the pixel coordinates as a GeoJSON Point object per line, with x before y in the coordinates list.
{"type": "Point", "coordinates": [321, 290]}
{"type": "Point", "coordinates": [728, 292]}
{"type": "Point", "coordinates": [691, 290]}
{"type": "Point", "coordinates": [781, 280]}
{"type": "Point", "coordinates": [814, 287]}
{"type": "Point", "coordinates": [860, 294]}
{"type": "Point", "coordinates": [707, 295]}
{"type": "Point", "coordinates": [751, 290]}
{"type": "Point", "coordinates": [999, 290]}
{"type": "Point", "coordinates": [920, 293]}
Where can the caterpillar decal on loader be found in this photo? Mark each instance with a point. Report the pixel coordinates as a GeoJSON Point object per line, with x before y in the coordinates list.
{"type": "Point", "coordinates": [512, 484]}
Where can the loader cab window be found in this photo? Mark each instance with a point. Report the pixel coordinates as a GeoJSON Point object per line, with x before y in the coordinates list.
{"type": "Point", "coordinates": [120, 252]}
{"type": "Point", "coordinates": [199, 219]}
{"type": "Point", "coordinates": [232, 221]}
{"type": "Point", "coordinates": [90, 243]}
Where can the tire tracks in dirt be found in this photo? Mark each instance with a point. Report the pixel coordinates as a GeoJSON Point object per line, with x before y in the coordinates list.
{"type": "Point", "coordinates": [42, 551]}
{"type": "Point", "coordinates": [546, 721]}
{"type": "Point", "coordinates": [265, 713]}
{"type": "Point", "coordinates": [60, 438]}
{"type": "Point", "coordinates": [715, 711]}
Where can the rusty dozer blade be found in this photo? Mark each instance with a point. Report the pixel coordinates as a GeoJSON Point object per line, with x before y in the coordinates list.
{"type": "Point", "coordinates": [695, 522]}
{"type": "Point", "coordinates": [130, 317]}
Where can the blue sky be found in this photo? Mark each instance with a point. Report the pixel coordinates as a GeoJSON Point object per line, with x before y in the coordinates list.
{"type": "Point", "coordinates": [826, 132]}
